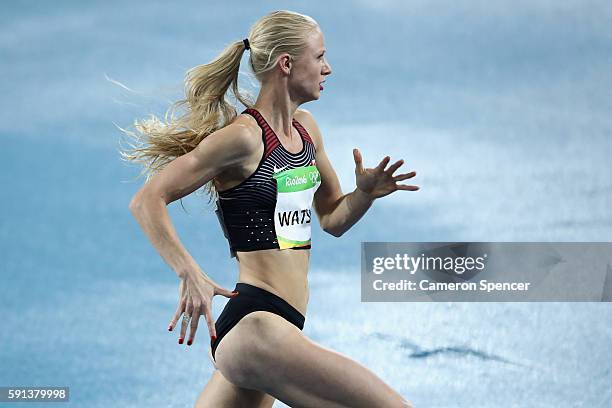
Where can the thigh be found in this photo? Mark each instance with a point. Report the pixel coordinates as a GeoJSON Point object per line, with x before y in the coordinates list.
{"type": "Point", "coordinates": [220, 393]}
{"type": "Point", "coordinates": [266, 352]}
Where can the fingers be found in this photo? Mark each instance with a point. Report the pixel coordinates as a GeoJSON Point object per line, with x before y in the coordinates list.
{"type": "Point", "coordinates": [177, 314]}
{"type": "Point", "coordinates": [407, 187]}
{"type": "Point", "coordinates": [192, 308]}
{"type": "Point", "coordinates": [191, 319]}
{"type": "Point", "coordinates": [185, 321]}
{"type": "Point", "coordinates": [358, 161]}
{"type": "Point", "coordinates": [195, 319]}
{"type": "Point", "coordinates": [383, 163]}
{"type": "Point", "coordinates": [209, 321]}
{"type": "Point", "coordinates": [225, 292]}
{"type": "Point", "coordinates": [404, 176]}
{"type": "Point", "coordinates": [394, 167]}
{"type": "Point", "coordinates": [381, 166]}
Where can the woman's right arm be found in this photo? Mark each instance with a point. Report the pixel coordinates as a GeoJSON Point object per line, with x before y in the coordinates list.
{"type": "Point", "coordinates": [220, 150]}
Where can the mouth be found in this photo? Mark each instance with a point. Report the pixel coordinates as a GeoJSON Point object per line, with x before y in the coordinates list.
{"type": "Point", "coordinates": [321, 86]}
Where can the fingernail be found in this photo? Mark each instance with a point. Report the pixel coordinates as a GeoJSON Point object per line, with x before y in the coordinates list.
{"type": "Point", "coordinates": [213, 338]}
{"type": "Point", "coordinates": [170, 328]}
{"type": "Point", "coordinates": [235, 293]}
{"type": "Point", "coordinates": [189, 342]}
{"type": "Point", "coordinates": [180, 340]}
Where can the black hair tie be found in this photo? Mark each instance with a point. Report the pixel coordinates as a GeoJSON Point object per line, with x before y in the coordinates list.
{"type": "Point", "coordinates": [246, 44]}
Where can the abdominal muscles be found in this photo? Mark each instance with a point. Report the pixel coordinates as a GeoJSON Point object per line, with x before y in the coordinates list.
{"type": "Point", "coordinates": [282, 272]}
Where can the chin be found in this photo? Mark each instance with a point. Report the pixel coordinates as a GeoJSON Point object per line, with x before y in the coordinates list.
{"type": "Point", "coordinates": [311, 96]}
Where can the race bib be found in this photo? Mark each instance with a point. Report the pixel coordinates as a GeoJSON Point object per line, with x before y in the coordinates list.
{"type": "Point", "coordinates": [293, 215]}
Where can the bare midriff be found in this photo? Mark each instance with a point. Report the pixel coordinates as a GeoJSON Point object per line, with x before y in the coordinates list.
{"type": "Point", "coordinates": [282, 272]}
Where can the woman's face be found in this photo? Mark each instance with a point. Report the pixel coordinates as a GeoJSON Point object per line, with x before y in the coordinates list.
{"type": "Point", "coordinates": [309, 69]}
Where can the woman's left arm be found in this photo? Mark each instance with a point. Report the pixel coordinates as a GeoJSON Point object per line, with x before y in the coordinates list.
{"type": "Point", "coordinates": [338, 212]}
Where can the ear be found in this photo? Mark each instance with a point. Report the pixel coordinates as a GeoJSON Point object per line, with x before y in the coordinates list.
{"type": "Point", "coordinates": [285, 62]}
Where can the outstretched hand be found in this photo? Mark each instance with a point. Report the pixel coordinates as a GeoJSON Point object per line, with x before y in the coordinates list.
{"type": "Point", "coordinates": [196, 292]}
{"type": "Point", "coordinates": [378, 182]}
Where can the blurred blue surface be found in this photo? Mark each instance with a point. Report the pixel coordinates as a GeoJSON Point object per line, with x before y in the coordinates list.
{"type": "Point", "coordinates": [503, 110]}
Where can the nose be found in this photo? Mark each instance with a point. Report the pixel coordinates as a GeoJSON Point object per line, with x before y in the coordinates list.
{"type": "Point", "coordinates": [328, 69]}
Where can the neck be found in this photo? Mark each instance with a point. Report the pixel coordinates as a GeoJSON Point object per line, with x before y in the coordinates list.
{"type": "Point", "coordinates": [275, 103]}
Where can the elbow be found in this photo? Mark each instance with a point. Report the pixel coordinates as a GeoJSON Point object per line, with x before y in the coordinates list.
{"type": "Point", "coordinates": [135, 203]}
{"type": "Point", "coordinates": [143, 198]}
{"type": "Point", "coordinates": [138, 201]}
{"type": "Point", "coordinates": [329, 228]}
{"type": "Point", "coordinates": [333, 231]}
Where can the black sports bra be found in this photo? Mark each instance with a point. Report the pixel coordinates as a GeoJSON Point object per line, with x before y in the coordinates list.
{"type": "Point", "coordinates": [272, 207]}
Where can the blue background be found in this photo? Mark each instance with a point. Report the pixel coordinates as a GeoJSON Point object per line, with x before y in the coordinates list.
{"type": "Point", "coordinates": [502, 108]}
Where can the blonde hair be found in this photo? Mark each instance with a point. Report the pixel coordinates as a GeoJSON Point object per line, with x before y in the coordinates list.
{"type": "Point", "coordinates": [159, 142]}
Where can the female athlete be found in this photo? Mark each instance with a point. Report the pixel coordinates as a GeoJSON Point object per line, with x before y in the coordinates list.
{"type": "Point", "coordinates": [267, 166]}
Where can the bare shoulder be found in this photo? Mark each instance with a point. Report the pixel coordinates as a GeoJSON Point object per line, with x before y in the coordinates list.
{"type": "Point", "coordinates": [248, 122]}
{"type": "Point", "coordinates": [309, 123]}
{"type": "Point", "coordinates": [228, 147]}
{"type": "Point", "coordinates": [233, 150]}
{"type": "Point", "coordinates": [239, 137]}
